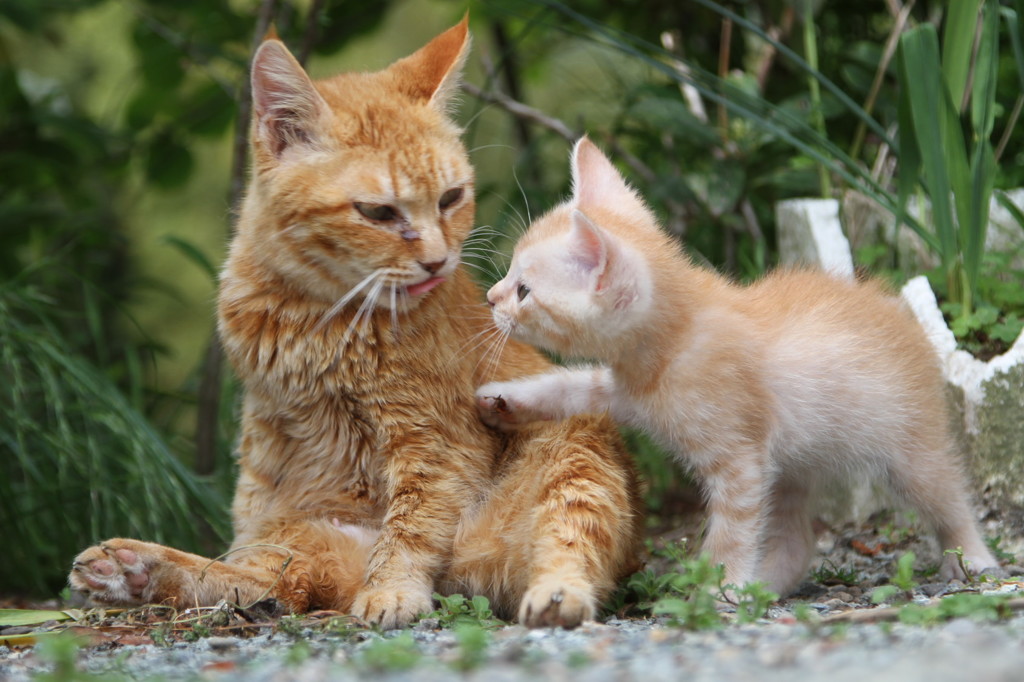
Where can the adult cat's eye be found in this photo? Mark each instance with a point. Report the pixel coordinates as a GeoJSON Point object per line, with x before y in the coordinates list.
{"type": "Point", "coordinates": [380, 212]}
{"type": "Point", "coordinates": [523, 291]}
{"type": "Point", "coordinates": [450, 197]}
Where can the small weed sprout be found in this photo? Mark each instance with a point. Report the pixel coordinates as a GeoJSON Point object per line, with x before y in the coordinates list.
{"type": "Point", "coordinates": [456, 610]}
{"type": "Point", "coordinates": [388, 655]}
{"type": "Point", "coordinates": [290, 625]}
{"type": "Point", "coordinates": [473, 640]}
{"type": "Point", "coordinates": [753, 602]}
{"type": "Point", "coordinates": [299, 653]}
{"type": "Point", "coordinates": [902, 582]}
{"type": "Point", "coordinates": [904, 578]}
{"type": "Point", "coordinates": [996, 545]}
{"type": "Point", "coordinates": [830, 574]}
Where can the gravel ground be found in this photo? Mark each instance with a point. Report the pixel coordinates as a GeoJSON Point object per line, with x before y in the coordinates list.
{"type": "Point", "coordinates": [828, 630]}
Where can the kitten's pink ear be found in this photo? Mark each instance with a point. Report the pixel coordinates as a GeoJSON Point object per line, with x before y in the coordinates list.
{"type": "Point", "coordinates": [286, 105]}
{"type": "Point", "coordinates": [433, 72]}
{"type": "Point", "coordinates": [595, 181]}
{"type": "Point", "coordinates": [588, 247]}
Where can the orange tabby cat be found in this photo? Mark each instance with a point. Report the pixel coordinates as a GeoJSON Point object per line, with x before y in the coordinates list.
{"type": "Point", "coordinates": [354, 330]}
{"type": "Point", "coordinates": [764, 391]}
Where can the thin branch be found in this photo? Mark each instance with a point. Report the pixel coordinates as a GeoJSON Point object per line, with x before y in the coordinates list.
{"type": "Point", "coordinates": [312, 33]}
{"type": "Point", "coordinates": [724, 49]}
{"type": "Point", "coordinates": [676, 210]}
{"type": "Point", "coordinates": [876, 85]}
{"type": "Point", "coordinates": [523, 111]}
{"type": "Point", "coordinates": [892, 613]}
{"type": "Point", "coordinates": [1011, 123]}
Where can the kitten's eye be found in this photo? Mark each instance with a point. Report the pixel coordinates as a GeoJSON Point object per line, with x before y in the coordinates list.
{"type": "Point", "coordinates": [523, 291]}
{"type": "Point", "coordinates": [380, 212]}
{"type": "Point", "coordinates": [450, 197]}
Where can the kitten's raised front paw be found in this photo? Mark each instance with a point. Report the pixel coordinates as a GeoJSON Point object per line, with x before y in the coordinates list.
{"type": "Point", "coordinates": [112, 573]}
{"type": "Point", "coordinates": [499, 410]}
{"type": "Point", "coordinates": [551, 603]}
{"type": "Point", "coordinates": [392, 606]}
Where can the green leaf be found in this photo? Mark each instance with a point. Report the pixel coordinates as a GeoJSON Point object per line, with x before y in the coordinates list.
{"type": "Point", "coordinates": [926, 100]}
{"type": "Point", "coordinates": [957, 43]}
{"type": "Point", "coordinates": [1016, 29]}
{"type": "Point", "coordinates": [169, 162]}
{"type": "Point", "coordinates": [191, 252]}
{"type": "Point", "coordinates": [983, 90]}
{"type": "Point", "coordinates": [16, 617]}
{"type": "Point", "coordinates": [1008, 330]}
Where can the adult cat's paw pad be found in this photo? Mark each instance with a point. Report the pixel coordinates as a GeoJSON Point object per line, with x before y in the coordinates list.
{"type": "Point", "coordinates": [565, 605]}
{"type": "Point", "coordinates": [391, 607]}
{"type": "Point", "coordinates": [108, 574]}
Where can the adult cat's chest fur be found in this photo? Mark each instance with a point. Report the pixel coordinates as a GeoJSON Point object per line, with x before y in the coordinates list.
{"type": "Point", "coordinates": [335, 399]}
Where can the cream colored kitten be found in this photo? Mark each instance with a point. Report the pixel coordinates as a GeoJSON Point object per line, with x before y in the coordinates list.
{"type": "Point", "coordinates": [764, 391]}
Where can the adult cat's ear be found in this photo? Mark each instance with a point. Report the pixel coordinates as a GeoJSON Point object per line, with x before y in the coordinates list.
{"type": "Point", "coordinates": [595, 181]}
{"type": "Point", "coordinates": [286, 105]}
{"type": "Point", "coordinates": [433, 72]}
{"type": "Point", "coordinates": [588, 247]}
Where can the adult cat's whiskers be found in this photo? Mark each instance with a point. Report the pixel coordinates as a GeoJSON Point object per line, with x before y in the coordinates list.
{"type": "Point", "coordinates": [344, 300]}
{"type": "Point", "coordinates": [394, 309]}
{"type": "Point", "coordinates": [364, 313]}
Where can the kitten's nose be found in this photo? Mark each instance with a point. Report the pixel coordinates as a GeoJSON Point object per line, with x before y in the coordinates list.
{"type": "Point", "coordinates": [489, 301]}
{"type": "Point", "coordinates": [433, 266]}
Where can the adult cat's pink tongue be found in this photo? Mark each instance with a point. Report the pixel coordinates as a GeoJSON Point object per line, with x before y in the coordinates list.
{"type": "Point", "coordinates": [424, 287]}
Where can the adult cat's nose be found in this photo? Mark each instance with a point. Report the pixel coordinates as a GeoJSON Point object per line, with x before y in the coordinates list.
{"type": "Point", "coordinates": [433, 266]}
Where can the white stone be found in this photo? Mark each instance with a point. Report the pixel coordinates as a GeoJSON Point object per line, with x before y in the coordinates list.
{"type": "Point", "coordinates": [810, 233]}
{"type": "Point", "coordinates": [961, 369]}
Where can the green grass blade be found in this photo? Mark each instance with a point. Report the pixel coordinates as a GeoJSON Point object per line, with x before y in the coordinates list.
{"type": "Point", "coordinates": [919, 74]}
{"type": "Point", "coordinates": [983, 177]}
{"type": "Point", "coordinates": [77, 461]}
{"type": "Point", "coordinates": [957, 45]}
{"type": "Point", "coordinates": [910, 155]}
{"type": "Point", "coordinates": [986, 68]}
{"type": "Point", "coordinates": [1015, 25]}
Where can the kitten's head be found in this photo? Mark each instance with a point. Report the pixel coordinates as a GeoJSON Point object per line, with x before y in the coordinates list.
{"type": "Point", "coordinates": [579, 280]}
{"type": "Point", "coordinates": [360, 182]}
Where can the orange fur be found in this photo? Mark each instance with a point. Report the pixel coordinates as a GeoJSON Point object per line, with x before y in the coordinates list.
{"type": "Point", "coordinates": [765, 391]}
{"type": "Point", "coordinates": [345, 313]}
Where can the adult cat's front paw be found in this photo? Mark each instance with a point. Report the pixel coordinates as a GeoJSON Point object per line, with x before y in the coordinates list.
{"type": "Point", "coordinates": [551, 603]}
{"type": "Point", "coordinates": [500, 409]}
{"type": "Point", "coordinates": [112, 573]}
{"type": "Point", "coordinates": [392, 606]}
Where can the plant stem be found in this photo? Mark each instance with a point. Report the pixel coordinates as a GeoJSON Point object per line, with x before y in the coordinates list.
{"type": "Point", "coordinates": [817, 117]}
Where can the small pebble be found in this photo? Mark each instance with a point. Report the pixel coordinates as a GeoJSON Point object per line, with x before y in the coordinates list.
{"type": "Point", "coordinates": [222, 643]}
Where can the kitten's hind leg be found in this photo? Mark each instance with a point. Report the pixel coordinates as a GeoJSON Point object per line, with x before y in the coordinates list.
{"type": "Point", "coordinates": [934, 485]}
{"type": "Point", "coordinates": [788, 542]}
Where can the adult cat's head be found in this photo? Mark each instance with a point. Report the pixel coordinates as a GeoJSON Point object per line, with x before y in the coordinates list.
{"type": "Point", "coordinates": [360, 184]}
{"type": "Point", "coordinates": [581, 277]}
